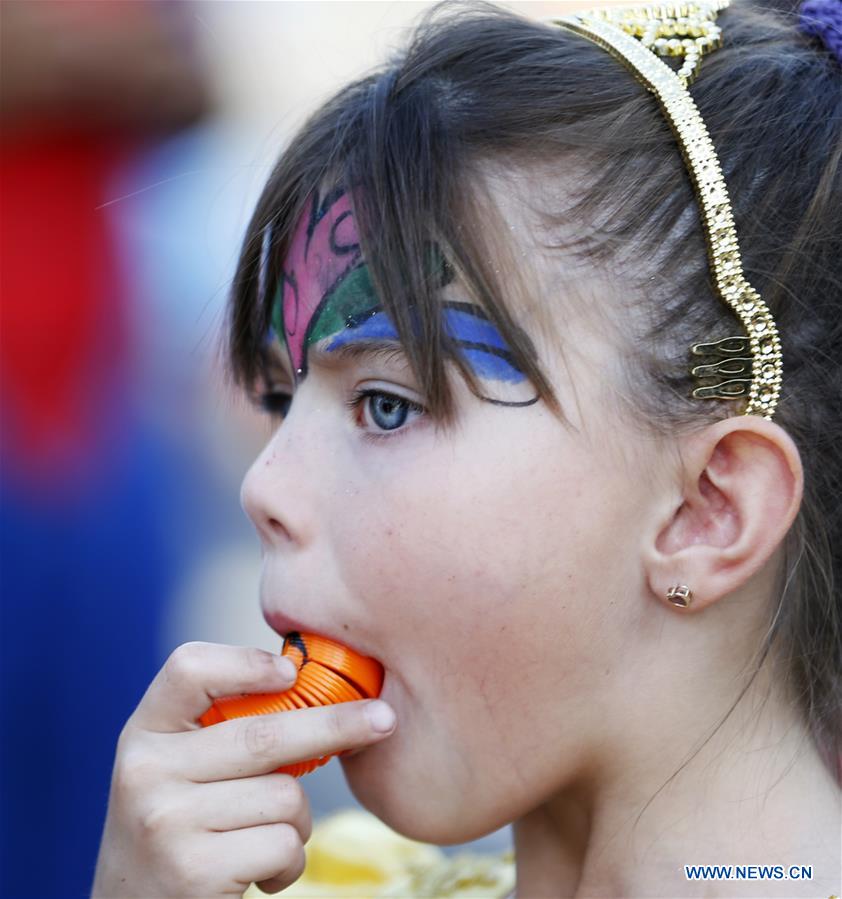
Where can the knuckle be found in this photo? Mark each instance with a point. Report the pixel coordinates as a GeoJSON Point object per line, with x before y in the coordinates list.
{"type": "Point", "coordinates": [296, 868]}
{"type": "Point", "coordinates": [261, 737]}
{"type": "Point", "coordinates": [128, 738]}
{"type": "Point", "coordinates": [162, 813]}
{"type": "Point", "coordinates": [157, 819]}
{"type": "Point", "coordinates": [189, 867]}
{"type": "Point", "coordinates": [185, 662]}
{"type": "Point", "coordinates": [186, 876]}
{"type": "Point", "coordinates": [307, 824]}
{"type": "Point", "coordinates": [289, 842]}
{"type": "Point", "coordinates": [135, 773]}
{"type": "Point", "coordinates": [288, 871]}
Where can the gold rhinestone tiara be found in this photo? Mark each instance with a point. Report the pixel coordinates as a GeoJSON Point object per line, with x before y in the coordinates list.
{"type": "Point", "coordinates": [737, 367]}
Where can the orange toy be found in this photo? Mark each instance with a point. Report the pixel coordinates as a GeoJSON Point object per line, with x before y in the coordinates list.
{"type": "Point", "coordinates": [328, 672]}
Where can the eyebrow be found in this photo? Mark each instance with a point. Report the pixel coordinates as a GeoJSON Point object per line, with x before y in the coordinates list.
{"type": "Point", "coordinates": [382, 350]}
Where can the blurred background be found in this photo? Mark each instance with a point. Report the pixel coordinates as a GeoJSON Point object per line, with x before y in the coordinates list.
{"type": "Point", "coordinates": [135, 139]}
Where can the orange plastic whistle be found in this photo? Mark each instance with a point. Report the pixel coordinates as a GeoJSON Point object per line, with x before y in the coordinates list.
{"type": "Point", "coordinates": [328, 672]}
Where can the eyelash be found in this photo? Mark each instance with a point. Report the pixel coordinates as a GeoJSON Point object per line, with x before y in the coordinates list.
{"type": "Point", "coordinates": [276, 404]}
{"type": "Point", "coordinates": [360, 396]}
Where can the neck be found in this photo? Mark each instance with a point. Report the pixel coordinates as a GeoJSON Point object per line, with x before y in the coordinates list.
{"type": "Point", "coordinates": [756, 793]}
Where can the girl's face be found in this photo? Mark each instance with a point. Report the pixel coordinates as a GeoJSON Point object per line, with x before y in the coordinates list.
{"type": "Point", "coordinates": [481, 565]}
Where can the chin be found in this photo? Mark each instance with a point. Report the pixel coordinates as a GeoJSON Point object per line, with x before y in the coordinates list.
{"type": "Point", "coordinates": [365, 774]}
{"type": "Point", "coordinates": [399, 780]}
{"type": "Point", "coordinates": [407, 803]}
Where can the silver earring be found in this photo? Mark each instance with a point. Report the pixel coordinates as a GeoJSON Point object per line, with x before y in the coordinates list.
{"type": "Point", "coordinates": [680, 595]}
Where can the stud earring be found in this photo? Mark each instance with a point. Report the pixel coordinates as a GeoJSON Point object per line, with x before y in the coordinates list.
{"type": "Point", "coordinates": [680, 596]}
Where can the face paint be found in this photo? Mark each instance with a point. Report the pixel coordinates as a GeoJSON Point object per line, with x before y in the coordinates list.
{"type": "Point", "coordinates": [481, 343]}
{"type": "Point", "coordinates": [326, 292]}
{"type": "Point", "coordinates": [323, 283]}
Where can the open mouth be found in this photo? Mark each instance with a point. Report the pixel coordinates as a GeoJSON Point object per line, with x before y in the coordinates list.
{"type": "Point", "coordinates": [285, 625]}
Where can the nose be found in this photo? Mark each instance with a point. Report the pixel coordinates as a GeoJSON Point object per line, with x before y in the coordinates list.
{"type": "Point", "coordinates": [271, 494]}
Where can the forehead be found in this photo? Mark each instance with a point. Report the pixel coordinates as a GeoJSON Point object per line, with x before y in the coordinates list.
{"type": "Point", "coordinates": [325, 290]}
{"type": "Point", "coordinates": [544, 238]}
{"type": "Point", "coordinates": [325, 287]}
{"type": "Point", "coordinates": [328, 313]}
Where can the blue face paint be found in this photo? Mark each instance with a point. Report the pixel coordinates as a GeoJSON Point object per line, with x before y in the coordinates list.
{"type": "Point", "coordinates": [480, 343]}
{"type": "Point", "coordinates": [375, 326]}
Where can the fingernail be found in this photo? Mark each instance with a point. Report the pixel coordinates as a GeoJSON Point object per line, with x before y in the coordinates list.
{"type": "Point", "coordinates": [288, 669]}
{"type": "Point", "coordinates": [380, 716]}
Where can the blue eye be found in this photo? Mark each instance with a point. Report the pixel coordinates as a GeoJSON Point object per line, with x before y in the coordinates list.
{"type": "Point", "coordinates": [388, 412]}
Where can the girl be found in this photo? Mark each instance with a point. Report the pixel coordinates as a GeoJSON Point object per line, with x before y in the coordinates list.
{"type": "Point", "coordinates": [608, 607]}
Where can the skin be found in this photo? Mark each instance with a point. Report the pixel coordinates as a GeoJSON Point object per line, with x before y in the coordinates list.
{"type": "Point", "coordinates": [511, 575]}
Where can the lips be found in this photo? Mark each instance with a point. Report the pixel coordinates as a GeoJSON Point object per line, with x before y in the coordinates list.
{"type": "Point", "coordinates": [284, 624]}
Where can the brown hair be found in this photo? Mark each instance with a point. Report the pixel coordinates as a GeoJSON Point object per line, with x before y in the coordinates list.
{"type": "Point", "coordinates": [480, 85]}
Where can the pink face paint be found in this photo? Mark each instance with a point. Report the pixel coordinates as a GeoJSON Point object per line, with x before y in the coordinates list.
{"type": "Point", "coordinates": [324, 249]}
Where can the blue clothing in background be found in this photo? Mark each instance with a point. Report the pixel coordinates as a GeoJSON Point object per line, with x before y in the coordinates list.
{"type": "Point", "coordinates": [85, 577]}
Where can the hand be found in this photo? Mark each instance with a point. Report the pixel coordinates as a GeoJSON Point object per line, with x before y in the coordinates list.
{"type": "Point", "coordinates": [201, 811]}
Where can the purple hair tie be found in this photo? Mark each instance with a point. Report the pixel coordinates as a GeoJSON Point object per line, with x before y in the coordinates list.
{"type": "Point", "coordinates": [823, 19]}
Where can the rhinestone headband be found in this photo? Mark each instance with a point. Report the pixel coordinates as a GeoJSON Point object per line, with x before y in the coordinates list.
{"type": "Point", "coordinates": [746, 368]}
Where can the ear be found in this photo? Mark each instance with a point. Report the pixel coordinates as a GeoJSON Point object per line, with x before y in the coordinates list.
{"type": "Point", "coordinates": [737, 494]}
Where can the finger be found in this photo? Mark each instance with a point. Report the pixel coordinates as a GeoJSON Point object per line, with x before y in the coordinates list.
{"type": "Point", "coordinates": [270, 852]}
{"type": "Point", "coordinates": [196, 674]}
{"type": "Point", "coordinates": [251, 802]}
{"type": "Point", "coordinates": [259, 744]}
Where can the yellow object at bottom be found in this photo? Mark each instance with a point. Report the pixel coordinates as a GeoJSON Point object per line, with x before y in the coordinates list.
{"type": "Point", "coordinates": [352, 854]}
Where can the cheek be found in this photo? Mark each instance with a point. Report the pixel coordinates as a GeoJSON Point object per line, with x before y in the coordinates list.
{"type": "Point", "coordinates": [397, 556]}
{"type": "Point", "coordinates": [482, 579]}
{"type": "Point", "coordinates": [464, 572]}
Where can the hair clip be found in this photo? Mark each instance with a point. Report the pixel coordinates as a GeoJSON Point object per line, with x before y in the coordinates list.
{"type": "Point", "coordinates": [751, 364]}
{"type": "Point", "coordinates": [823, 19]}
